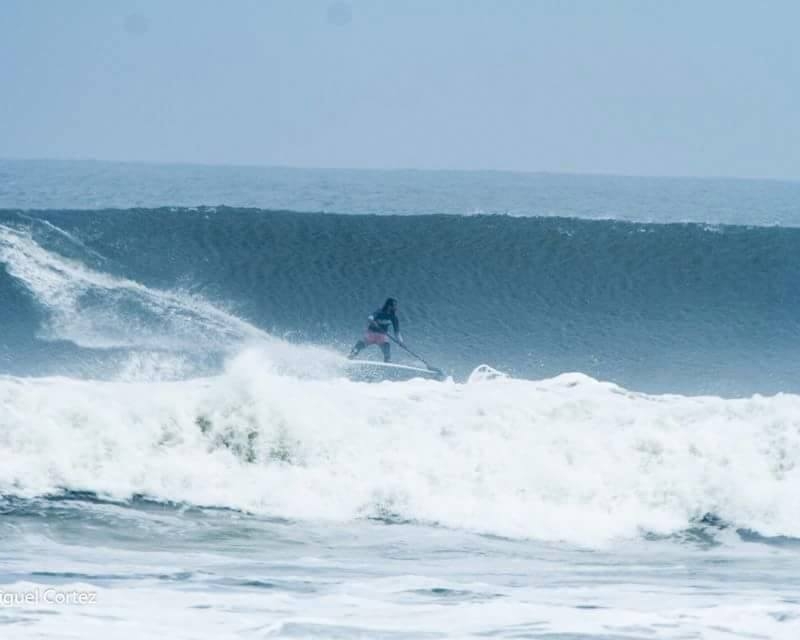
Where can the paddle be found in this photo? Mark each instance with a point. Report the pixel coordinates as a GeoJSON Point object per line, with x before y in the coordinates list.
{"type": "Point", "coordinates": [403, 346]}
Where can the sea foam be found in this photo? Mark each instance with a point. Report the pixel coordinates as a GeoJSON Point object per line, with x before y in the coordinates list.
{"type": "Point", "coordinates": [569, 458]}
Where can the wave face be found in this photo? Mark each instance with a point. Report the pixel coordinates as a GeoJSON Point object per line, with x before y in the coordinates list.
{"type": "Point", "coordinates": [683, 308]}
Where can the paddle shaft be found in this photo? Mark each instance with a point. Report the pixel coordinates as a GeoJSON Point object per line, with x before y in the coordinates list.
{"type": "Point", "coordinates": [402, 346]}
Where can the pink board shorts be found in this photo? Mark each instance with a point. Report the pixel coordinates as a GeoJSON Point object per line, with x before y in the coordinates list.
{"type": "Point", "coordinates": [375, 337]}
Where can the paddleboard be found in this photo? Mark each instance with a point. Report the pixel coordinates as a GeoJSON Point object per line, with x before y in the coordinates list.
{"type": "Point", "coordinates": [373, 370]}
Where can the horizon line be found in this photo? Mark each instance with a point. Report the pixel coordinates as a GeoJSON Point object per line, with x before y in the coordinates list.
{"type": "Point", "coordinates": [531, 172]}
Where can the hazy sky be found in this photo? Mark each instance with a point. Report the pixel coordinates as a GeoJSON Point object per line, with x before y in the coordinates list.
{"type": "Point", "coordinates": [633, 87]}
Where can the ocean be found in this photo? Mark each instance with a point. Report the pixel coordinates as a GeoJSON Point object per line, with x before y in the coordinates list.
{"type": "Point", "coordinates": [615, 452]}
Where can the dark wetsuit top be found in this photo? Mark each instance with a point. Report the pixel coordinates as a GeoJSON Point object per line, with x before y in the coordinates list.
{"type": "Point", "coordinates": [383, 319]}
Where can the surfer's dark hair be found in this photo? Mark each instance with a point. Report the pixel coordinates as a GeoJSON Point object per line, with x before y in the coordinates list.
{"type": "Point", "coordinates": [390, 302]}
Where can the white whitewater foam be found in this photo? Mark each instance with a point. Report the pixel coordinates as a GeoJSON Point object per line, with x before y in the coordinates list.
{"type": "Point", "coordinates": [99, 310]}
{"type": "Point", "coordinates": [563, 459]}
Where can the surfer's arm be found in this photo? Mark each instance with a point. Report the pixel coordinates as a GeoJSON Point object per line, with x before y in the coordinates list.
{"type": "Point", "coordinates": [396, 325]}
{"type": "Point", "coordinates": [372, 326]}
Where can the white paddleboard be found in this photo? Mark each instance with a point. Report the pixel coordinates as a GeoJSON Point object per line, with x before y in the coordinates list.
{"type": "Point", "coordinates": [372, 369]}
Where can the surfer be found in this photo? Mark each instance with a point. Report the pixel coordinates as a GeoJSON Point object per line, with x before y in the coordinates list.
{"type": "Point", "coordinates": [378, 330]}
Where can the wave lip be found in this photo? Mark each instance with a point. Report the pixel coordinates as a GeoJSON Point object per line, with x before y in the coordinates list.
{"type": "Point", "coordinates": [90, 307]}
{"type": "Point", "coordinates": [568, 458]}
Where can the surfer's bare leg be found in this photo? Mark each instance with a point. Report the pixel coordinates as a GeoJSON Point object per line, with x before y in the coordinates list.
{"type": "Point", "coordinates": [386, 351]}
{"type": "Point", "coordinates": [357, 347]}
